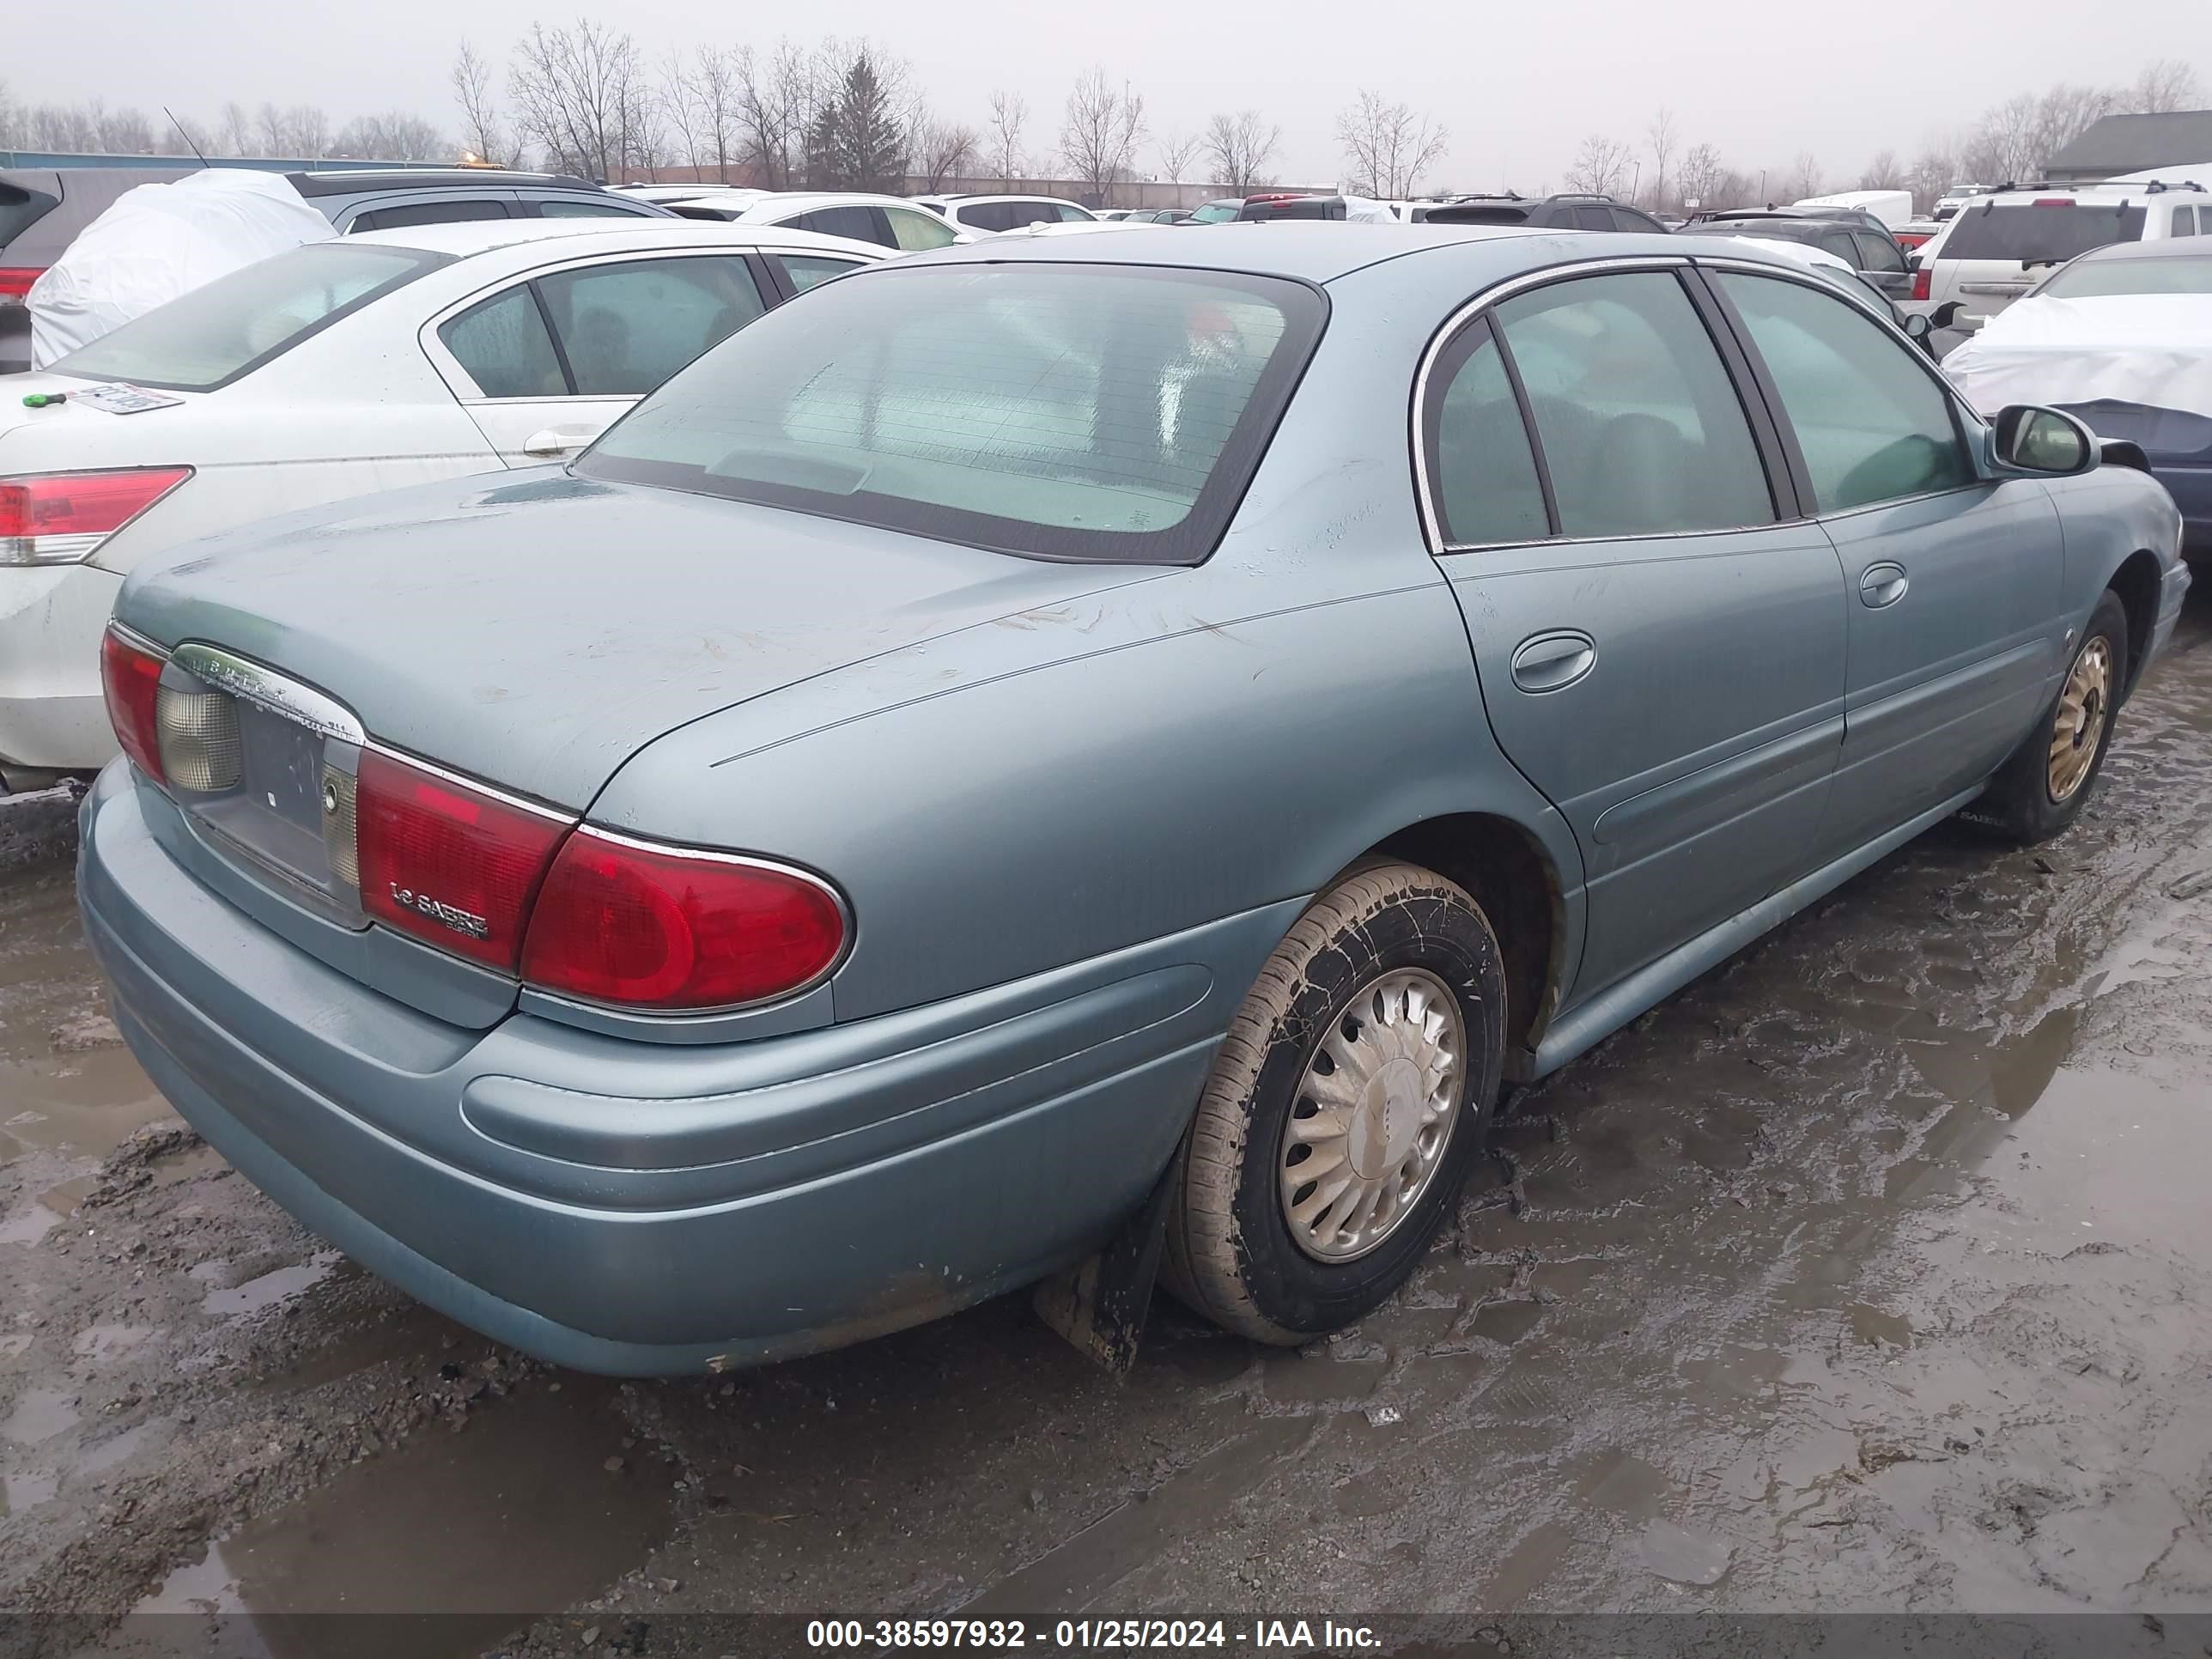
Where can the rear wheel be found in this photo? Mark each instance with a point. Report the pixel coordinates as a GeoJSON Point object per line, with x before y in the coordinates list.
{"type": "Point", "coordinates": [2042, 788]}
{"type": "Point", "coordinates": [1354, 1088]}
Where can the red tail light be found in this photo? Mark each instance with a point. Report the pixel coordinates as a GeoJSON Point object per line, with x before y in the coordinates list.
{"type": "Point", "coordinates": [1920, 284]}
{"type": "Point", "coordinates": [15, 282]}
{"type": "Point", "coordinates": [623, 921]}
{"type": "Point", "coordinates": [450, 863]}
{"type": "Point", "coordinates": [1909, 240]}
{"type": "Point", "coordinates": [129, 674]}
{"type": "Point", "coordinates": [62, 517]}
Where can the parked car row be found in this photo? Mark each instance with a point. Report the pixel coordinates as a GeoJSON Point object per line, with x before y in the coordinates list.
{"type": "Point", "coordinates": [344, 366]}
{"type": "Point", "coordinates": [935, 794]}
{"type": "Point", "coordinates": [42, 210]}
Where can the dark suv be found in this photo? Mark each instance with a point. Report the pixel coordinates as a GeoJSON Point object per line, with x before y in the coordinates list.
{"type": "Point", "coordinates": [43, 209]}
{"type": "Point", "coordinates": [1860, 239]}
{"type": "Point", "coordinates": [1561, 212]}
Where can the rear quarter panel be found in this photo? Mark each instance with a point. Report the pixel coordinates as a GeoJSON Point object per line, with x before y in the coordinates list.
{"type": "Point", "coordinates": [1059, 783]}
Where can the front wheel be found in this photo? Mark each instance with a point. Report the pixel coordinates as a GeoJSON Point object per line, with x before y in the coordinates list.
{"type": "Point", "coordinates": [2042, 788]}
{"type": "Point", "coordinates": [1354, 1088]}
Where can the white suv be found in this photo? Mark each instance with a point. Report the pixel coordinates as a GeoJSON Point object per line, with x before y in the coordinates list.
{"type": "Point", "coordinates": [994, 214]}
{"type": "Point", "coordinates": [1998, 246]}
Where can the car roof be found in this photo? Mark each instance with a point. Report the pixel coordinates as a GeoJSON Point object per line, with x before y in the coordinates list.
{"type": "Point", "coordinates": [1304, 250]}
{"type": "Point", "coordinates": [355, 181]}
{"type": "Point", "coordinates": [471, 237]}
{"type": "Point", "coordinates": [1772, 225]}
{"type": "Point", "coordinates": [802, 200]}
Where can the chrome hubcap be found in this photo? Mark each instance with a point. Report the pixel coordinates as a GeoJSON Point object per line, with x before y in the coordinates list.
{"type": "Point", "coordinates": [1373, 1114]}
{"type": "Point", "coordinates": [2083, 707]}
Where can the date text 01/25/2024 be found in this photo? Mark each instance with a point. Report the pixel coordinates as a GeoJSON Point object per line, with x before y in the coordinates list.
{"type": "Point", "coordinates": [1090, 1635]}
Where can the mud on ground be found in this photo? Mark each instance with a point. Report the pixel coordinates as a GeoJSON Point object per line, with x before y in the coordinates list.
{"type": "Point", "coordinates": [1873, 1271]}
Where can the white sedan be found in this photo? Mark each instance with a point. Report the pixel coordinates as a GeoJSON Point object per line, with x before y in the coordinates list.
{"type": "Point", "coordinates": [340, 368]}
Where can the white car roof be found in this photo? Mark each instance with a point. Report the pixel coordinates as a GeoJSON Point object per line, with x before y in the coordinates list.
{"type": "Point", "coordinates": [779, 203]}
{"type": "Point", "coordinates": [473, 237]}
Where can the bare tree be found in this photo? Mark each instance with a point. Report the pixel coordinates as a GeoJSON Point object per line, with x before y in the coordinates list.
{"type": "Point", "coordinates": [1099, 130]}
{"type": "Point", "coordinates": [1387, 147]}
{"type": "Point", "coordinates": [778, 98]}
{"type": "Point", "coordinates": [237, 129]}
{"type": "Point", "coordinates": [481, 135]}
{"type": "Point", "coordinates": [1177, 152]}
{"type": "Point", "coordinates": [2167, 84]}
{"type": "Point", "coordinates": [1932, 174]}
{"type": "Point", "coordinates": [943, 150]}
{"type": "Point", "coordinates": [580, 93]}
{"type": "Point", "coordinates": [1002, 140]}
{"type": "Point", "coordinates": [1884, 171]}
{"type": "Point", "coordinates": [1804, 177]}
{"type": "Point", "coordinates": [1599, 165]}
{"type": "Point", "coordinates": [1238, 148]}
{"type": "Point", "coordinates": [679, 106]}
{"type": "Point", "coordinates": [1698, 180]}
{"type": "Point", "coordinates": [395, 135]}
{"type": "Point", "coordinates": [1662, 136]}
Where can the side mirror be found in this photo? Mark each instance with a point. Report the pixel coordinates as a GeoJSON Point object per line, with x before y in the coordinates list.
{"type": "Point", "coordinates": [1919, 328]}
{"type": "Point", "coordinates": [2033, 440]}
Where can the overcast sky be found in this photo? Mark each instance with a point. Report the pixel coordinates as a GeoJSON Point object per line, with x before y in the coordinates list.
{"type": "Point", "coordinates": [1518, 86]}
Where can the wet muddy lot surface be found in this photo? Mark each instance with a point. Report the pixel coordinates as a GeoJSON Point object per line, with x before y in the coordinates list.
{"type": "Point", "coordinates": [1873, 1271]}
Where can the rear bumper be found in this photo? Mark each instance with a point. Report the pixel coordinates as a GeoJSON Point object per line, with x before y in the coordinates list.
{"type": "Point", "coordinates": [52, 714]}
{"type": "Point", "coordinates": [588, 1200]}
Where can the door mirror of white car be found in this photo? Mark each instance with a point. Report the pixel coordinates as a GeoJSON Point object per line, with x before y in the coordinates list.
{"type": "Point", "coordinates": [559, 440]}
{"type": "Point", "coordinates": [2032, 439]}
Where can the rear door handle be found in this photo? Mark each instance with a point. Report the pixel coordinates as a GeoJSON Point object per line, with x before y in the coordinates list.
{"type": "Point", "coordinates": [1553, 662]}
{"type": "Point", "coordinates": [1883, 585]}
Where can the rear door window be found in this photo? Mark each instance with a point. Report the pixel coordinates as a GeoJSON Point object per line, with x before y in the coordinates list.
{"type": "Point", "coordinates": [503, 343]}
{"type": "Point", "coordinates": [805, 270]}
{"type": "Point", "coordinates": [572, 209]}
{"type": "Point", "coordinates": [1839, 243]}
{"type": "Point", "coordinates": [858, 222]}
{"type": "Point", "coordinates": [2048, 235]}
{"type": "Point", "coordinates": [1640, 426]}
{"type": "Point", "coordinates": [2185, 221]}
{"type": "Point", "coordinates": [627, 327]}
{"type": "Point", "coordinates": [427, 213]}
{"type": "Point", "coordinates": [914, 230]}
{"type": "Point", "coordinates": [1594, 218]}
{"type": "Point", "coordinates": [1482, 469]}
{"type": "Point", "coordinates": [988, 216]}
{"type": "Point", "coordinates": [1878, 253]}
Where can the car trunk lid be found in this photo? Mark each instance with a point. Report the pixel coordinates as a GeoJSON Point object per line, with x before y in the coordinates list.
{"type": "Point", "coordinates": [535, 629]}
{"type": "Point", "coordinates": [529, 634]}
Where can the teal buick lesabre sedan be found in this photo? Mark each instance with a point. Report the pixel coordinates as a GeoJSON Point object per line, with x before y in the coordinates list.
{"type": "Point", "coordinates": [1105, 750]}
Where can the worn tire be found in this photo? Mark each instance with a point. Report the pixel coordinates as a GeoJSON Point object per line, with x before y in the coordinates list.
{"type": "Point", "coordinates": [2019, 804]}
{"type": "Point", "coordinates": [1230, 1253]}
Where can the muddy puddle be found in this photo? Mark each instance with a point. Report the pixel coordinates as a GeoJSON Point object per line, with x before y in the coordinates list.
{"type": "Point", "coordinates": [69, 1091]}
{"type": "Point", "coordinates": [536, 1504]}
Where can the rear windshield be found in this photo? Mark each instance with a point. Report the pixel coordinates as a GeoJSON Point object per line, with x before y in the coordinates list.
{"type": "Point", "coordinates": [234, 324]}
{"type": "Point", "coordinates": [20, 209]}
{"type": "Point", "coordinates": [1214, 213]}
{"type": "Point", "coordinates": [2039, 235]}
{"type": "Point", "coordinates": [1078, 412]}
{"type": "Point", "coordinates": [1462, 214]}
{"type": "Point", "coordinates": [2093, 278]}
